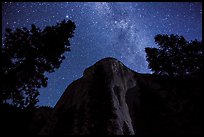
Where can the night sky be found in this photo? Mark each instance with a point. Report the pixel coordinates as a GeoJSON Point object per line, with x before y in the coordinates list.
{"type": "Point", "coordinates": [121, 30]}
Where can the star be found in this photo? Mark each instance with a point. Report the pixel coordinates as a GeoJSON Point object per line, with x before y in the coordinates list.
{"type": "Point", "coordinates": [104, 29]}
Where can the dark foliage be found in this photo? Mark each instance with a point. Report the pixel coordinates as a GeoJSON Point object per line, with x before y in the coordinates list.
{"type": "Point", "coordinates": [175, 56]}
{"type": "Point", "coordinates": [26, 56]}
{"type": "Point", "coordinates": [14, 120]}
{"type": "Point", "coordinates": [18, 121]}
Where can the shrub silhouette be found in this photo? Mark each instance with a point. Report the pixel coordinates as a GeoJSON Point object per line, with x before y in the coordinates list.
{"type": "Point", "coordinates": [26, 56]}
{"type": "Point", "coordinates": [175, 56]}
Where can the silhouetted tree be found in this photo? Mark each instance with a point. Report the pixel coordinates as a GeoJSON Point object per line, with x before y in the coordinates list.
{"type": "Point", "coordinates": [26, 56]}
{"type": "Point", "coordinates": [175, 56]}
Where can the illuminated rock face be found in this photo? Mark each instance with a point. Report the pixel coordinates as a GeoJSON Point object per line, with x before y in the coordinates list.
{"type": "Point", "coordinates": [111, 99]}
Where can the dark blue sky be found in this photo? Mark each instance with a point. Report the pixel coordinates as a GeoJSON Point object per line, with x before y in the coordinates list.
{"type": "Point", "coordinates": [121, 30]}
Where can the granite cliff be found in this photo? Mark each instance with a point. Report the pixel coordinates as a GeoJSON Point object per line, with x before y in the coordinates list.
{"type": "Point", "coordinates": [111, 99]}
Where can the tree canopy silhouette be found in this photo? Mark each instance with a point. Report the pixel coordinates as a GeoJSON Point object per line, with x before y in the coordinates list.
{"type": "Point", "coordinates": [175, 56]}
{"type": "Point", "coordinates": [27, 55]}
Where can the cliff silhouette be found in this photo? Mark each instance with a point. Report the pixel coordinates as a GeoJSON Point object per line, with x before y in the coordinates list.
{"type": "Point", "coordinates": [111, 99]}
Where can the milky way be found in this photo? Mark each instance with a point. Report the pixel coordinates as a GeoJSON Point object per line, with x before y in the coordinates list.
{"type": "Point", "coordinates": [121, 30]}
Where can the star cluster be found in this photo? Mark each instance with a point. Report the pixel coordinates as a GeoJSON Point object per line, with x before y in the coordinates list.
{"type": "Point", "coordinates": [104, 29]}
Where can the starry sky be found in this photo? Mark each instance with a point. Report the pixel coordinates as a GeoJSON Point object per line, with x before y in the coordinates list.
{"type": "Point", "coordinates": [104, 29]}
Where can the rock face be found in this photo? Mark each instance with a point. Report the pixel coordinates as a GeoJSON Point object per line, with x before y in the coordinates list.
{"type": "Point", "coordinates": [111, 99]}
